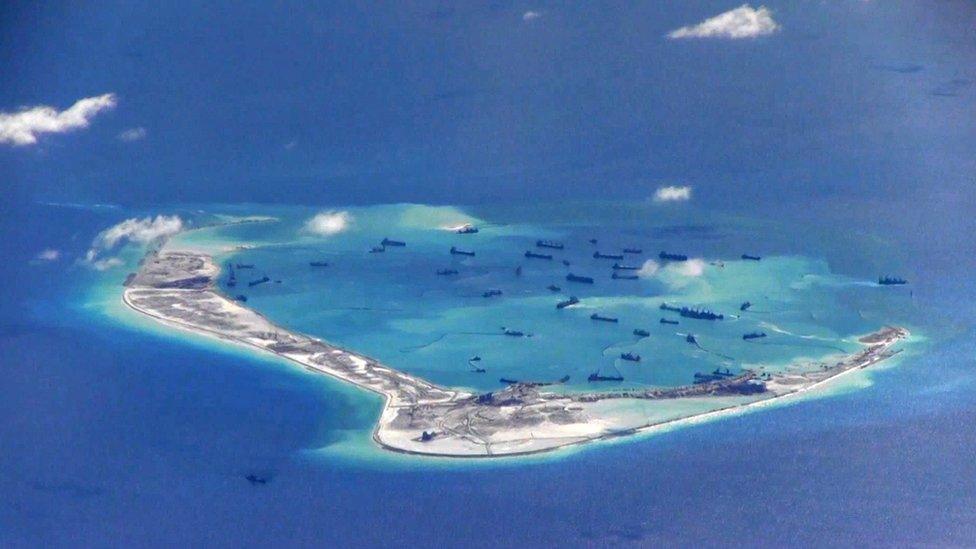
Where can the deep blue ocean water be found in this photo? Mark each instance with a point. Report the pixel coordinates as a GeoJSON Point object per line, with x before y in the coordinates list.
{"type": "Point", "coordinates": [116, 433]}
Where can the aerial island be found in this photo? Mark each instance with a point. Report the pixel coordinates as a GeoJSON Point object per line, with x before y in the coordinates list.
{"type": "Point", "coordinates": [178, 288]}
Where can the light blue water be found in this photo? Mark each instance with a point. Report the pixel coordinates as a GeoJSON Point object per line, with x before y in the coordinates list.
{"type": "Point", "coordinates": [395, 307]}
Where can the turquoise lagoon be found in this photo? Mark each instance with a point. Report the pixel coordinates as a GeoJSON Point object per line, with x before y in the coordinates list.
{"type": "Point", "coordinates": [393, 305]}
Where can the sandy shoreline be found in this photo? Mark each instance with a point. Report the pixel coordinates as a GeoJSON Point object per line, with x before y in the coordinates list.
{"type": "Point", "coordinates": [176, 288]}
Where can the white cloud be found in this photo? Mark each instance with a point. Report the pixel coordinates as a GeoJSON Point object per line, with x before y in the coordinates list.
{"type": "Point", "coordinates": [648, 269]}
{"type": "Point", "coordinates": [328, 223]}
{"type": "Point", "coordinates": [24, 126]}
{"type": "Point", "coordinates": [692, 267]}
{"type": "Point", "coordinates": [132, 134]}
{"type": "Point", "coordinates": [134, 230]}
{"type": "Point", "coordinates": [530, 15]}
{"type": "Point", "coordinates": [48, 255]}
{"type": "Point", "coordinates": [742, 22]}
{"type": "Point", "coordinates": [104, 264]}
{"type": "Point", "coordinates": [140, 231]}
{"type": "Point", "coordinates": [672, 194]}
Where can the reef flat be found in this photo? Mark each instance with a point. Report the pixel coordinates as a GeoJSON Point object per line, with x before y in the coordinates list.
{"type": "Point", "coordinates": [177, 288]}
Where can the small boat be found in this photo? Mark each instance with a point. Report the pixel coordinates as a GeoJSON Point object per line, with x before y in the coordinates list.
{"type": "Point", "coordinates": [598, 255]}
{"type": "Point", "coordinates": [467, 229]}
{"type": "Point", "coordinates": [377, 250]}
{"type": "Point", "coordinates": [592, 241]}
{"type": "Point", "coordinates": [745, 306]}
{"type": "Point", "coordinates": [753, 335]}
{"type": "Point", "coordinates": [891, 281]}
{"type": "Point", "coordinates": [751, 257]}
{"type": "Point", "coordinates": [245, 265]}
{"type": "Point", "coordinates": [569, 302]}
{"type": "Point", "coordinates": [554, 288]}
{"type": "Point", "coordinates": [619, 267]}
{"type": "Point", "coordinates": [668, 321]}
{"type": "Point", "coordinates": [261, 280]}
{"type": "Point", "coordinates": [630, 357]}
{"type": "Point", "coordinates": [456, 251]}
{"type": "Point", "coordinates": [508, 381]}
{"type": "Point", "coordinates": [641, 333]}
{"type": "Point", "coordinates": [319, 263]}
{"type": "Point", "coordinates": [242, 298]}
{"type": "Point", "coordinates": [549, 244]}
{"type": "Point", "coordinates": [690, 338]}
{"type": "Point", "coordinates": [566, 262]}
{"type": "Point", "coordinates": [475, 358]}
{"type": "Point", "coordinates": [576, 278]}
{"type": "Point", "coordinates": [427, 436]}
{"type": "Point", "coordinates": [633, 251]}
{"type": "Point", "coordinates": [534, 255]}
{"type": "Point", "coordinates": [479, 370]}
{"type": "Point", "coordinates": [386, 242]}
{"type": "Point", "coordinates": [518, 271]}
{"type": "Point", "coordinates": [513, 333]}
{"type": "Point", "coordinates": [447, 272]}
{"type": "Point", "coordinates": [491, 293]}
{"type": "Point", "coordinates": [601, 318]}
{"type": "Point", "coordinates": [672, 257]}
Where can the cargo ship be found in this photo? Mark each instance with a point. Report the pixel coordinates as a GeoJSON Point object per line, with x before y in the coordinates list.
{"type": "Point", "coordinates": [319, 263]}
{"type": "Point", "coordinates": [261, 280]}
{"type": "Point", "coordinates": [630, 357]}
{"type": "Point", "coordinates": [688, 312]}
{"type": "Point", "coordinates": [716, 375]}
{"type": "Point", "coordinates": [513, 333]}
{"type": "Point", "coordinates": [619, 267]}
{"type": "Point", "coordinates": [597, 376]}
{"type": "Point", "coordinates": [491, 293]}
{"type": "Point", "coordinates": [569, 302]}
{"type": "Point", "coordinates": [891, 281]}
{"type": "Point", "coordinates": [576, 278]}
{"type": "Point", "coordinates": [601, 318]}
{"type": "Point", "coordinates": [668, 321]}
{"type": "Point", "coordinates": [549, 244]}
{"type": "Point", "coordinates": [665, 256]}
{"type": "Point", "coordinates": [386, 242]}
{"type": "Point", "coordinates": [753, 335]}
{"type": "Point", "coordinates": [598, 255]}
{"type": "Point", "coordinates": [456, 251]}
{"type": "Point", "coordinates": [751, 257]}
{"type": "Point", "coordinates": [447, 272]}
{"type": "Point", "coordinates": [633, 251]}
{"type": "Point", "coordinates": [533, 255]}
{"type": "Point", "coordinates": [618, 276]}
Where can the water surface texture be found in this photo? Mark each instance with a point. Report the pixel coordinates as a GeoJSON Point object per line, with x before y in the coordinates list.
{"type": "Point", "coordinates": [838, 148]}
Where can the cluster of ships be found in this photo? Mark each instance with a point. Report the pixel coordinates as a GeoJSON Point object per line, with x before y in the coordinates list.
{"type": "Point", "coordinates": [547, 250]}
